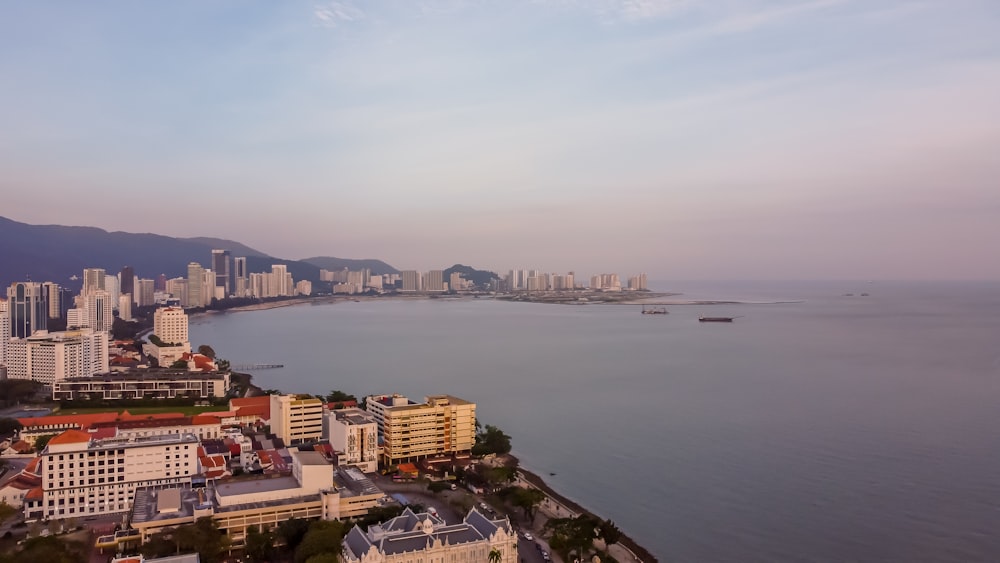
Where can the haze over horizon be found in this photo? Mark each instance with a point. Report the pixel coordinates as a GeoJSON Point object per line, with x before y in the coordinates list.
{"type": "Point", "coordinates": [757, 139]}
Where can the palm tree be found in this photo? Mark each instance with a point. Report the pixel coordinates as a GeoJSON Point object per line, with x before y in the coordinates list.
{"type": "Point", "coordinates": [495, 556]}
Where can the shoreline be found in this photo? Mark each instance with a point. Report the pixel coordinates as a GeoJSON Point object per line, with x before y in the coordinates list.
{"type": "Point", "coordinates": [638, 552]}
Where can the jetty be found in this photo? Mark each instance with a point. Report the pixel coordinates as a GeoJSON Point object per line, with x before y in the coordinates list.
{"type": "Point", "coordinates": [255, 367]}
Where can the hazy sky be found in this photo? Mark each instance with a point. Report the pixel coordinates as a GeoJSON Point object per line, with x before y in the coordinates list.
{"type": "Point", "coordinates": [855, 139]}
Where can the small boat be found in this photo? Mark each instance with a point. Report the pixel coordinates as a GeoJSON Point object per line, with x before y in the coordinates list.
{"type": "Point", "coordinates": [660, 311]}
{"type": "Point", "coordinates": [716, 319]}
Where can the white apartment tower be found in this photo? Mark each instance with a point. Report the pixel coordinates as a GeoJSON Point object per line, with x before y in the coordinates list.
{"type": "Point", "coordinates": [4, 330]}
{"type": "Point", "coordinates": [98, 307]}
{"type": "Point", "coordinates": [47, 357]}
{"type": "Point", "coordinates": [170, 324]}
{"type": "Point", "coordinates": [125, 307]}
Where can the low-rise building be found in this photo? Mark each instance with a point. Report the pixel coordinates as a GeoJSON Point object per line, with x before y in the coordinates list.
{"type": "Point", "coordinates": [143, 384]}
{"type": "Point", "coordinates": [314, 490]}
{"type": "Point", "coordinates": [411, 431]}
{"type": "Point", "coordinates": [425, 537]}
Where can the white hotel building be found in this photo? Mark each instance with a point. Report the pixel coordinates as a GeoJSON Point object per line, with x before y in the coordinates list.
{"type": "Point", "coordinates": [82, 476]}
{"type": "Point", "coordinates": [353, 433]}
{"type": "Point", "coordinates": [47, 357]}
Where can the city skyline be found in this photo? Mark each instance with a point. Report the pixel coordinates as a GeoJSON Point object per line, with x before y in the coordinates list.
{"type": "Point", "coordinates": [822, 139]}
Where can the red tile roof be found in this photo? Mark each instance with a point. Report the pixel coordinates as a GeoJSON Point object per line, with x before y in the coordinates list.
{"type": "Point", "coordinates": [70, 437]}
{"type": "Point", "coordinates": [34, 494]}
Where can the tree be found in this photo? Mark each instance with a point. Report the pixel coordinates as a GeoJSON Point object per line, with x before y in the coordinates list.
{"type": "Point", "coordinates": [527, 499]}
{"type": "Point", "coordinates": [50, 550]}
{"type": "Point", "coordinates": [495, 556]}
{"type": "Point", "coordinates": [203, 536]}
{"type": "Point", "coordinates": [179, 364]}
{"type": "Point", "coordinates": [338, 396]}
{"type": "Point", "coordinates": [491, 440]}
{"type": "Point", "coordinates": [8, 425]}
{"type": "Point", "coordinates": [323, 537]}
{"type": "Point", "coordinates": [206, 350]}
{"type": "Point", "coordinates": [42, 441]}
{"type": "Point", "coordinates": [260, 545]}
{"type": "Point", "coordinates": [291, 532]}
{"type": "Point", "coordinates": [569, 534]}
{"type": "Point", "coordinates": [610, 533]}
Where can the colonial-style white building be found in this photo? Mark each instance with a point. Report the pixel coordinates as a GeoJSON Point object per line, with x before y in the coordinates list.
{"type": "Point", "coordinates": [413, 537]}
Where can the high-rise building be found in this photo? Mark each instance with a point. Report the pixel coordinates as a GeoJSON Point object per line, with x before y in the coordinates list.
{"type": "Point", "coordinates": [98, 309]}
{"type": "Point", "coordinates": [93, 279]}
{"type": "Point", "coordinates": [434, 281]}
{"type": "Point", "coordinates": [279, 281]}
{"type": "Point", "coordinates": [170, 324]}
{"type": "Point", "coordinates": [411, 280]}
{"type": "Point", "coordinates": [4, 330]}
{"type": "Point", "coordinates": [126, 280]}
{"type": "Point", "coordinates": [125, 307]}
{"type": "Point", "coordinates": [223, 272]}
{"type": "Point", "coordinates": [53, 295]}
{"type": "Point", "coordinates": [144, 292]}
{"type": "Point", "coordinates": [27, 309]}
{"type": "Point", "coordinates": [637, 282]}
{"type": "Point", "coordinates": [161, 283]}
{"type": "Point", "coordinates": [195, 277]}
{"type": "Point", "coordinates": [241, 277]}
{"type": "Point", "coordinates": [46, 356]}
{"type": "Point", "coordinates": [113, 288]}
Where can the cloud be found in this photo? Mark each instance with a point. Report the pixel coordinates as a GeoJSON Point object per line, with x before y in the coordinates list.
{"type": "Point", "coordinates": [333, 14]}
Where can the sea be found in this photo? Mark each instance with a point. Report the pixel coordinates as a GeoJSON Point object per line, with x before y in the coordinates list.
{"type": "Point", "coordinates": [818, 426]}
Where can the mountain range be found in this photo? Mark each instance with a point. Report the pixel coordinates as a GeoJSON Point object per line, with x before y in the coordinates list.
{"type": "Point", "coordinates": [58, 253]}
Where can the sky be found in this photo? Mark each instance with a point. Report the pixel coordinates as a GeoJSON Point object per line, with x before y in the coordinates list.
{"type": "Point", "coordinates": [689, 139]}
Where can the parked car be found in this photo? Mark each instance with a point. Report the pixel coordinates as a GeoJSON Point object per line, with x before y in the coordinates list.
{"type": "Point", "coordinates": [528, 536]}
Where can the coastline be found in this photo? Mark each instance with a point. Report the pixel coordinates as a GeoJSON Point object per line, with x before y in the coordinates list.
{"type": "Point", "coordinates": [638, 552]}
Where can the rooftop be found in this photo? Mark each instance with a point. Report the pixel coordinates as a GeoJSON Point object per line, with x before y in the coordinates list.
{"type": "Point", "coordinates": [250, 486]}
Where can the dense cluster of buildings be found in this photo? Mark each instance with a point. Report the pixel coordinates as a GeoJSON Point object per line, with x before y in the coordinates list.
{"type": "Point", "coordinates": [259, 462]}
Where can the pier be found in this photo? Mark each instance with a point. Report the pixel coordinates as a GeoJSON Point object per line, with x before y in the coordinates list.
{"type": "Point", "coordinates": [255, 367]}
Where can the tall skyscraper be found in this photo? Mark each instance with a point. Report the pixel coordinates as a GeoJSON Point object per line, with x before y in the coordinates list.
{"type": "Point", "coordinates": [53, 295]}
{"type": "Point", "coordinates": [161, 283]}
{"type": "Point", "coordinates": [279, 280]}
{"type": "Point", "coordinates": [144, 293]}
{"type": "Point", "coordinates": [113, 289]}
{"type": "Point", "coordinates": [411, 280]}
{"type": "Point", "coordinates": [241, 278]}
{"type": "Point", "coordinates": [93, 279]}
{"type": "Point", "coordinates": [434, 280]}
{"type": "Point", "coordinates": [196, 297]}
{"type": "Point", "coordinates": [28, 311]}
{"type": "Point", "coordinates": [98, 308]}
{"type": "Point", "coordinates": [220, 265]}
{"type": "Point", "coordinates": [126, 280]}
{"type": "Point", "coordinates": [4, 330]}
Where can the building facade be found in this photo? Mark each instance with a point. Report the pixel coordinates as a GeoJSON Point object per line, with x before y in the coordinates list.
{"type": "Point", "coordinates": [170, 324]}
{"type": "Point", "coordinates": [49, 357]}
{"type": "Point", "coordinates": [26, 308]}
{"type": "Point", "coordinates": [410, 431]}
{"type": "Point", "coordinates": [296, 419]}
{"type": "Point", "coordinates": [142, 384]}
{"type": "Point", "coordinates": [354, 434]}
{"type": "Point", "coordinates": [413, 537]}
{"type": "Point", "coordinates": [82, 476]}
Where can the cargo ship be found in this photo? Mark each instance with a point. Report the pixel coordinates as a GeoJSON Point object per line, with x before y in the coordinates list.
{"type": "Point", "coordinates": [716, 319]}
{"type": "Point", "coordinates": [660, 311]}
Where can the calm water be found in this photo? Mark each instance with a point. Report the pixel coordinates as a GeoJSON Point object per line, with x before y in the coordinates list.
{"type": "Point", "coordinates": [834, 429]}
